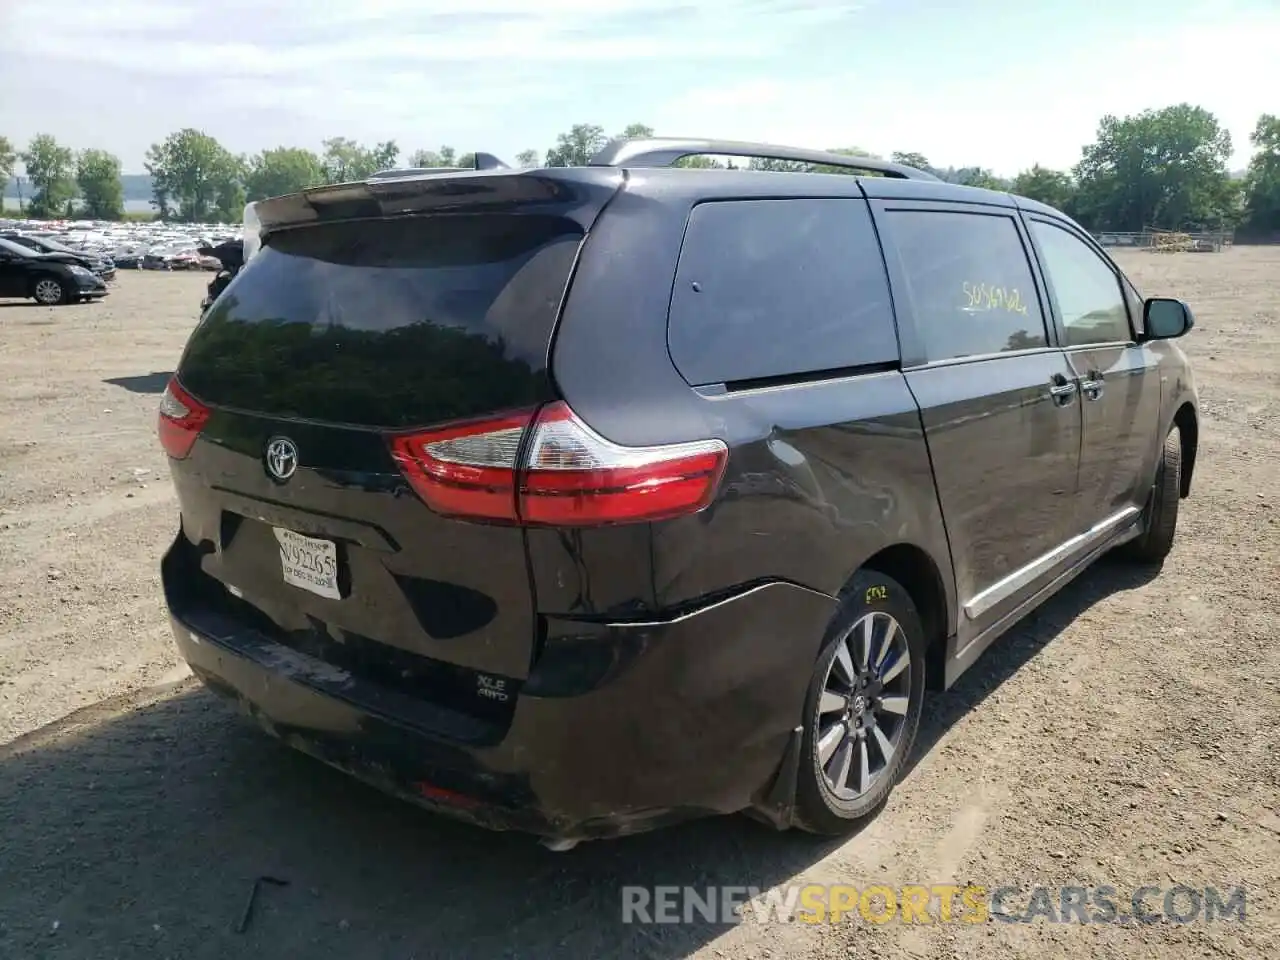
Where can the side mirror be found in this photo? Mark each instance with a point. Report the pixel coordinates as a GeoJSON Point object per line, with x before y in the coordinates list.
{"type": "Point", "coordinates": [1164, 318]}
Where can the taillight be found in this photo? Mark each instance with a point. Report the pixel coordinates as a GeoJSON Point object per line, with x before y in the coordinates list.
{"type": "Point", "coordinates": [465, 469]}
{"type": "Point", "coordinates": [573, 476]}
{"type": "Point", "coordinates": [570, 475]}
{"type": "Point", "coordinates": [182, 417]}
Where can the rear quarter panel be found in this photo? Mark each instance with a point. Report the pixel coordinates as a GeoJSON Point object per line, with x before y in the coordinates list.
{"type": "Point", "coordinates": [822, 474]}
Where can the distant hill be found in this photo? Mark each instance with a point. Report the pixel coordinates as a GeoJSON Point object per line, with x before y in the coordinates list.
{"type": "Point", "coordinates": [137, 188]}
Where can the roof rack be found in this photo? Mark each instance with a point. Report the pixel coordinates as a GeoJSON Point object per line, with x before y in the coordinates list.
{"type": "Point", "coordinates": [665, 151]}
{"type": "Point", "coordinates": [484, 161]}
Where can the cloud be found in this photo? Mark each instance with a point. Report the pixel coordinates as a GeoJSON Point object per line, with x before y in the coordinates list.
{"type": "Point", "coordinates": [289, 37]}
{"type": "Point", "coordinates": [1004, 115]}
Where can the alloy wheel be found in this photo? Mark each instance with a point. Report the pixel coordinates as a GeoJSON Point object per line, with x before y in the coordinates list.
{"type": "Point", "coordinates": [863, 710]}
{"type": "Point", "coordinates": [48, 292]}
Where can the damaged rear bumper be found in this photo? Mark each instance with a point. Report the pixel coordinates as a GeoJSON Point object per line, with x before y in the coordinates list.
{"type": "Point", "coordinates": [620, 727]}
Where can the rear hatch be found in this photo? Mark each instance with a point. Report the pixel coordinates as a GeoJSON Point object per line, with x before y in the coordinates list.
{"type": "Point", "coordinates": [337, 337]}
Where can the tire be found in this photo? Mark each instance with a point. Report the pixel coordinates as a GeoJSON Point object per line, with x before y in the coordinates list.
{"type": "Point", "coordinates": [822, 807]}
{"type": "Point", "coordinates": [48, 291]}
{"type": "Point", "coordinates": [1161, 513]}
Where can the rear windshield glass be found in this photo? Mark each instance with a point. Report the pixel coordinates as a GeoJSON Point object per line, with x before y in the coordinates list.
{"type": "Point", "coordinates": [388, 323]}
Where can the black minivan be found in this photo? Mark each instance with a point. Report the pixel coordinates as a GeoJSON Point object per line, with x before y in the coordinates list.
{"type": "Point", "coordinates": [582, 500]}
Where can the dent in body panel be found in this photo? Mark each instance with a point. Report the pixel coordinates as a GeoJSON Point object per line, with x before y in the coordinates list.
{"type": "Point", "coordinates": [393, 551]}
{"type": "Point", "coordinates": [821, 477]}
{"type": "Point", "coordinates": [840, 464]}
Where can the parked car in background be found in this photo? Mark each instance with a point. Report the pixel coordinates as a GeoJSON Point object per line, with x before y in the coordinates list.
{"type": "Point", "coordinates": [47, 278]}
{"type": "Point", "coordinates": [582, 500]}
{"type": "Point", "coordinates": [100, 264]}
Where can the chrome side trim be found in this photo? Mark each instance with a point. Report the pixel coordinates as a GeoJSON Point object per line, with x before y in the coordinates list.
{"type": "Point", "coordinates": [1002, 590]}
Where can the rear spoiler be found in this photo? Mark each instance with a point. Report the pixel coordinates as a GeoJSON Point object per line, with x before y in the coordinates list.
{"type": "Point", "coordinates": [575, 192]}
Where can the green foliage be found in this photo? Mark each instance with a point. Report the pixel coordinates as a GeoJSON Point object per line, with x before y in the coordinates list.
{"type": "Point", "coordinates": [848, 171]}
{"type": "Point", "coordinates": [1262, 183]}
{"type": "Point", "coordinates": [582, 142]}
{"type": "Point", "coordinates": [195, 177]}
{"type": "Point", "coordinates": [51, 170]}
{"type": "Point", "coordinates": [979, 177]}
{"type": "Point", "coordinates": [1054, 187]}
{"type": "Point", "coordinates": [98, 175]}
{"type": "Point", "coordinates": [699, 163]}
{"type": "Point", "coordinates": [636, 131]}
{"type": "Point", "coordinates": [909, 159]}
{"type": "Point", "coordinates": [8, 159]}
{"type": "Point", "coordinates": [446, 156]}
{"type": "Point", "coordinates": [1165, 168]}
{"type": "Point", "coordinates": [274, 173]}
{"type": "Point", "coordinates": [344, 160]}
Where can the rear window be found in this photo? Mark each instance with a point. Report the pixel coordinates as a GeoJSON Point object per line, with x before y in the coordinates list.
{"type": "Point", "coordinates": [388, 323]}
{"type": "Point", "coordinates": [771, 288]}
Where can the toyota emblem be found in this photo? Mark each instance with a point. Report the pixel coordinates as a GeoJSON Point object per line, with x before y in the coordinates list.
{"type": "Point", "coordinates": [282, 458]}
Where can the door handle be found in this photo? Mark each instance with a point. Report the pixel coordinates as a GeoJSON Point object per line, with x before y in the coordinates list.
{"type": "Point", "coordinates": [1063, 391]}
{"type": "Point", "coordinates": [1092, 387]}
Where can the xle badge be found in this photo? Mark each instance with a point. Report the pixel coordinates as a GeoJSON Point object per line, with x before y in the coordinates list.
{"type": "Point", "coordinates": [492, 688]}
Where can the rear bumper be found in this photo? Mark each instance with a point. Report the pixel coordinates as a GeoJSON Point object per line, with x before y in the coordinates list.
{"type": "Point", "coordinates": [664, 721]}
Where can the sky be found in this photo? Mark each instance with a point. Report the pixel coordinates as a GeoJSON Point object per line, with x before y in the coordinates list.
{"type": "Point", "coordinates": [1001, 84]}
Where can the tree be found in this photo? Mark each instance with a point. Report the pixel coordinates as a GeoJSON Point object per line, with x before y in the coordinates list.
{"type": "Point", "coordinates": [229, 195]}
{"type": "Point", "coordinates": [273, 173]}
{"type": "Point", "coordinates": [8, 160]}
{"type": "Point", "coordinates": [1262, 182]}
{"type": "Point", "coordinates": [344, 160]}
{"type": "Point", "coordinates": [1164, 168]}
{"type": "Point", "coordinates": [909, 159]}
{"type": "Point", "coordinates": [527, 158]}
{"type": "Point", "coordinates": [700, 162]}
{"type": "Point", "coordinates": [636, 131]}
{"type": "Point", "coordinates": [850, 171]}
{"type": "Point", "coordinates": [797, 166]}
{"type": "Point", "coordinates": [98, 174]}
{"type": "Point", "coordinates": [51, 170]}
{"type": "Point", "coordinates": [978, 177]}
{"type": "Point", "coordinates": [194, 171]}
{"type": "Point", "coordinates": [446, 156]}
{"type": "Point", "coordinates": [576, 147]}
{"type": "Point", "coordinates": [1054, 187]}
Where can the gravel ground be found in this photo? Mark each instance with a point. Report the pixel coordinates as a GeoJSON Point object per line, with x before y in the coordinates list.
{"type": "Point", "coordinates": [1123, 736]}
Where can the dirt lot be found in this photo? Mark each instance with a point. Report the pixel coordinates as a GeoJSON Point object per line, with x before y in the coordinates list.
{"type": "Point", "coordinates": [1124, 735]}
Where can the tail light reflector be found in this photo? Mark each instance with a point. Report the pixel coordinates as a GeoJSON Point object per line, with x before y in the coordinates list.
{"type": "Point", "coordinates": [182, 417]}
{"type": "Point", "coordinates": [570, 475]}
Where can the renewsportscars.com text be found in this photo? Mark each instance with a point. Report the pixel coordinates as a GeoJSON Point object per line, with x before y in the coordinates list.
{"type": "Point", "coordinates": [933, 903]}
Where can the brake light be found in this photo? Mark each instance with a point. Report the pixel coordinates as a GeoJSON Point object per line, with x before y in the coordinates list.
{"type": "Point", "coordinates": [573, 476]}
{"type": "Point", "coordinates": [182, 417]}
{"type": "Point", "coordinates": [465, 469]}
{"type": "Point", "coordinates": [570, 475]}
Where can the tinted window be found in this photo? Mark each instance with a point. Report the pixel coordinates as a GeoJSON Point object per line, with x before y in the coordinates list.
{"type": "Point", "coordinates": [1084, 287]}
{"type": "Point", "coordinates": [388, 322]}
{"type": "Point", "coordinates": [12, 246]}
{"type": "Point", "coordinates": [969, 281]}
{"type": "Point", "coordinates": [767, 288]}
{"type": "Point", "coordinates": [1135, 302]}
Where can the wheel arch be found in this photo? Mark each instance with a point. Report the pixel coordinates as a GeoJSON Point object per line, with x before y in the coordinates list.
{"type": "Point", "coordinates": [39, 275]}
{"type": "Point", "coordinates": [1188, 425]}
{"type": "Point", "coordinates": [919, 574]}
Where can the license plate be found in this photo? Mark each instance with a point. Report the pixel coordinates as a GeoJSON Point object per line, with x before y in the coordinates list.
{"type": "Point", "coordinates": [309, 563]}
